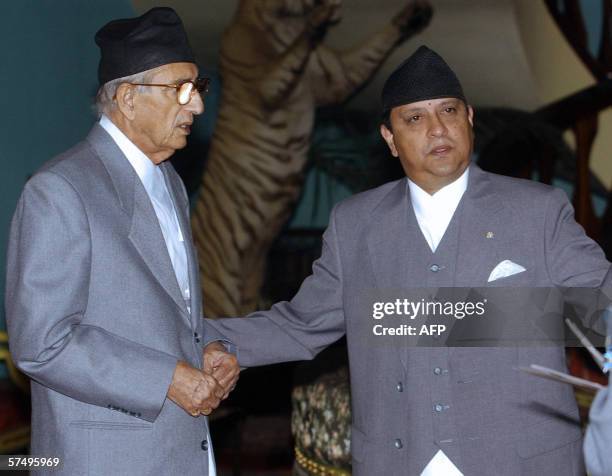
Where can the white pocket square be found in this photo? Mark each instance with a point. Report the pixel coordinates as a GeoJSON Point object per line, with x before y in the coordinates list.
{"type": "Point", "coordinates": [440, 464]}
{"type": "Point", "coordinates": [504, 269]}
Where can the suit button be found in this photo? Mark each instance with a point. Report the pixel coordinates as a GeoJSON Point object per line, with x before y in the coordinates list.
{"type": "Point", "coordinates": [399, 387]}
{"type": "Point", "coordinates": [197, 339]}
{"type": "Point", "coordinates": [438, 408]}
{"type": "Point", "coordinates": [195, 334]}
{"type": "Point", "coordinates": [437, 371]}
{"type": "Point", "coordinates": [204, 445]}
{"type": "Point", "coordinates": [435, 268]}
{"type": "Point", "coordinates": [398, 444]}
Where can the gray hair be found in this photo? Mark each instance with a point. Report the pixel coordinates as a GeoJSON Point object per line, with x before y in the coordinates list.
{"type": "Point", "coordinates": [105, 97]}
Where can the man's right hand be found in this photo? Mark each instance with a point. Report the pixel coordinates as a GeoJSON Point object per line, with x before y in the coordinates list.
{"type": "Point", "coordinates": [194, 391]}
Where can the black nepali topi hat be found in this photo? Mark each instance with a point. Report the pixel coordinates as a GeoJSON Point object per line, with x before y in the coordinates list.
{"type": "Point", "coordinates": [133, 45]}
{"type": "Point", "coordinates": [424, 75]}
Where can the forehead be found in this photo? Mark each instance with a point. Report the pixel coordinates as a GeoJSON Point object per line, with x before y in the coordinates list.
{"type": "Point", "coordinates": [173, 72]}
{"type": "Point", "coordinates": [426, 104]}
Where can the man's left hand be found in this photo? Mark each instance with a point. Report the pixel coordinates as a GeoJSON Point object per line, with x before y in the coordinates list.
{"type": "Point", "coordinates": [222, 365]}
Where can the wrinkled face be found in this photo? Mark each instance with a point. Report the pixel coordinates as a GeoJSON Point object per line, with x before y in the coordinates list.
{"type": "Point", "coordinates": [161, 125]}
{"type": "Point", "coordinates": [433, 140]}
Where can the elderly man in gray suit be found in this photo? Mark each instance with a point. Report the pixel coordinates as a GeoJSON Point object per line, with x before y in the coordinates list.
{"type": "Point", "coordinates": [103, 297]}
{"type": "Point", "coordinates": [438, 411]}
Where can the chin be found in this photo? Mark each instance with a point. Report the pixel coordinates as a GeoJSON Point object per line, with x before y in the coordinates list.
{"type": "Point", "coordinates": [179, 143]}
{"type": "Point", "coordinates": [450, 166]}
{"type": "Point", "coordinates": [445, 170]}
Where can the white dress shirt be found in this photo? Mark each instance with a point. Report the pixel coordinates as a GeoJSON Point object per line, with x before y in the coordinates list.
{"type": "Point", "coordinates": [154, 183]}
{"type": "Point", "coordinates": [434, 213]}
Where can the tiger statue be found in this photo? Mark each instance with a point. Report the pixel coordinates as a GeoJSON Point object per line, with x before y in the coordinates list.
{"type": "Point", "coordinates": [275, 71]}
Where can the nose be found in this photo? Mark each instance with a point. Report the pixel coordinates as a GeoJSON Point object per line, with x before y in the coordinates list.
{"type": "Point", "coordinates": [437, 128]}
{"type": "Point", "coordinates": [196, 104]}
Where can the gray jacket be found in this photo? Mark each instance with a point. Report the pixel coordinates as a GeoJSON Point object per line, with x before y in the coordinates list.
{"type": "Point", "coordinates": [96, 318]}
{"type": "Point", "coordinates": [473, 403]}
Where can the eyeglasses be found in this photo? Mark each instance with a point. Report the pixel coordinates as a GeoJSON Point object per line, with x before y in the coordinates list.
{"type": "Point", "coordinates": [185, 89]}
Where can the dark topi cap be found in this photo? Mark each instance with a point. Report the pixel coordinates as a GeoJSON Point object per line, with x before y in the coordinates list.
{"type": "Point", "coordinates": [424, 75]}
{"type": "Point", "coordinates": [133, 45]}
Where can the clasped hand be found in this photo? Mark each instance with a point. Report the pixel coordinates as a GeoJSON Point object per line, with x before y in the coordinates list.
{"type": "Point", "coordinates": [200, 391]}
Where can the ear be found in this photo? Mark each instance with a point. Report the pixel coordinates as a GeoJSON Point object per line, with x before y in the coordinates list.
{"type": "Point", "coordinates": [125, 100]}
{"type": "Point", "coordinates": [387, 135]}
{"type": "Point", "coordinates": [470, 113]}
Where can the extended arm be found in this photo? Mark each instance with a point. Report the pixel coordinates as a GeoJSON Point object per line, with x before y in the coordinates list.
{"type": "Point", "coordinates": [299, 329]}
{"type": "Point", "coordinates": [575, 261]}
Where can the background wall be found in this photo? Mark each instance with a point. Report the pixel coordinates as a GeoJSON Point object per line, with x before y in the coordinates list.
{"type": "Point", "coordinates": [559, 72]}
{"type": "Point", "coordinates": [47, 86]}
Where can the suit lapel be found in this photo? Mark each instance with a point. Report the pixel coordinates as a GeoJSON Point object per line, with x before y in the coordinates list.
{"type": "Point", "coordinates": [390, 238]}
{"type": "Point", "coordinates": [480, 230]}
{"type": "Point", "coordinates": [181, 205]}
{"type": "Point", "coordinates": [147, 238]}
{"type": "Point", "coordinates": [145, 232]}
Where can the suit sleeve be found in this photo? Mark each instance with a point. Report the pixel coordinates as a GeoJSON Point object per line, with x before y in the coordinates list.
{"type": "Point", "coordinates": [211, 334]}
{"type": "Point", "coordinates": [301, 328]}
{"type": "Point", "coordinates": [48, 266]}
{"type": "Point", "coordinates": [574, 261]}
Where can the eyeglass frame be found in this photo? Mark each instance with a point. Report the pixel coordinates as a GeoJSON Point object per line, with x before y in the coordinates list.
{"type": "Point", "coordinates": [194, 82]}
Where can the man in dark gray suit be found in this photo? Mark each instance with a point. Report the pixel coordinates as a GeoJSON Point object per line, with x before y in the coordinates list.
{"type": "Point", "coordinates": [103, 297]}
{"type": "Point", "coordinates": [438, 411]}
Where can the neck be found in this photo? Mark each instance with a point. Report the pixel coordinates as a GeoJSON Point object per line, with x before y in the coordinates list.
{"type": "Point", "coordinates": [431, 185]}
{"type": "Point", "coordinates": [137, 138]}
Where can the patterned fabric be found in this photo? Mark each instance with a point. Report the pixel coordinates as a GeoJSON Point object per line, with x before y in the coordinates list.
{"type": "Point", "coordinates": [321, 420]}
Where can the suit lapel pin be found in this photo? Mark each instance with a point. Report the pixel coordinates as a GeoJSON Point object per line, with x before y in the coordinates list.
{"type": "Point", "coordinates": [489, 234]}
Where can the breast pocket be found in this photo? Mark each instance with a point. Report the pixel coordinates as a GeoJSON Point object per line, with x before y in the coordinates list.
{"type": "Point", "coordinates": [513, 266]}
{"type": "Point", "coordinates": [519, 278]}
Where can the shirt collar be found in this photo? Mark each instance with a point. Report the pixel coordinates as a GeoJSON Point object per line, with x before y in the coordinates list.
{"type": "Point", "coordinates": [447, 197]}
{"type": "Point", "coordinates": [146, 170]}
